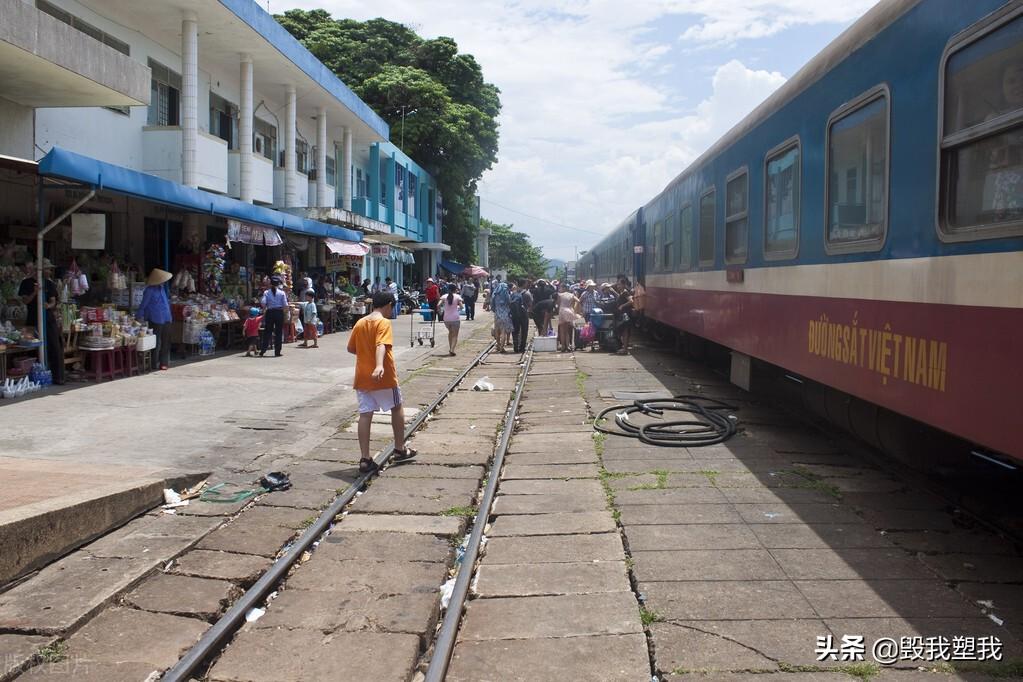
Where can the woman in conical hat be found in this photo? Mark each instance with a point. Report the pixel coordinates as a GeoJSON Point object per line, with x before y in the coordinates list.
{"type": "Point", "coordinates": [155, 309]}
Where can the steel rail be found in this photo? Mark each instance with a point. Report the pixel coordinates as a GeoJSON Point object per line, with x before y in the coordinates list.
{"type": "Point", "coordinates": [232, 620]}
{"type": "Point", "coordinates": [445, 642]}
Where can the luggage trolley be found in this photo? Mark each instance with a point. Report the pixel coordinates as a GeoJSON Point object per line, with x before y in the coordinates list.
{"type": "Point", "coordinates": [424, 332]}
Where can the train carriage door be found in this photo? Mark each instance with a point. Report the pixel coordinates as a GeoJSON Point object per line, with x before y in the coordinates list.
{"type": "Point", "coordinates": [639, 247]}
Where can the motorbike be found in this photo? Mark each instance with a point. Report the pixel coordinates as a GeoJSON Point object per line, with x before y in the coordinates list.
{"type": "Point", "coordinates": [604, 325]}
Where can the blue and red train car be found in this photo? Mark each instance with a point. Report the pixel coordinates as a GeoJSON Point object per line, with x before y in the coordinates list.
{"type": "Point", "coordinates": [863, 227]}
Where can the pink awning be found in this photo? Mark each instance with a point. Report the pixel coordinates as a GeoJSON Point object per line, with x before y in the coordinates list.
{"type": "Point", "coordinates": [343, 248]}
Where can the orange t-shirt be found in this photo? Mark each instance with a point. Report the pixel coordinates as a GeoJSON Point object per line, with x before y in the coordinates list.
{"type": "Point", "coordinates": [369, 332]}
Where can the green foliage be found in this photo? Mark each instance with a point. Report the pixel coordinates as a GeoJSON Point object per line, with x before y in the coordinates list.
{"type": "Point", "coordinates": [449, 110]}
{"type": "Point", "coordinates": [513, 251]}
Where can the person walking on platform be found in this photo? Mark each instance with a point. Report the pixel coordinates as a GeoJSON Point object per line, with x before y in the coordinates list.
{"type": "Point", "coordinates": [567, 305]}
{"type": "Point", "coordinates": [376, 379]}
{"type": "Point", "coordinates": [500, 302]}
{"type": "Point", "coordinates": [520, 317]}
{"type": "Point", "coordinates": [155, 309]}
{"type": "Point", "coordinates": [470, 292]}
{"type": "Point", "coordinates": [452, 303]}
{"type": "Point", "coordinates": [432, 295]}
{"type": "Point", "coordinates": [274, 302]}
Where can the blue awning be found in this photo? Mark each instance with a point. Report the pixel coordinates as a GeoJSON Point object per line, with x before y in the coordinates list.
{"type": "Point", "coordinates": [60, 163]}
{"type": "Point", "coordinates": [452, 267]}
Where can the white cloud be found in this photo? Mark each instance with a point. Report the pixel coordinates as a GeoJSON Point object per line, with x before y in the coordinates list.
{"type": "Point", "coordinates": [594, 92]}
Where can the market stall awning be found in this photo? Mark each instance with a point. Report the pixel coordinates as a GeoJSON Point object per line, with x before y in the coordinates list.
{"type": "Point", "coordinates": [343, 248]}
{"type": "Point", "coordinates": [60, 163]}
{"type": "Point", "coordinates": [452, 267]}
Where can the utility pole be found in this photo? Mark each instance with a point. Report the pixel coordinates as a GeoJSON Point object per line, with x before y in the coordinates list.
{"type": "Point", "coordinates": [403, 108]}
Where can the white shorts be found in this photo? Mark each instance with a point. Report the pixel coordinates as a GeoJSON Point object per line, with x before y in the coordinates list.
{"type": "Point", "coordinates": [383, 400]}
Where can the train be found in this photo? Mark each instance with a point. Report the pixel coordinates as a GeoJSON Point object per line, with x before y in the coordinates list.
{"type": "Point", "coordinates": [860, 232]}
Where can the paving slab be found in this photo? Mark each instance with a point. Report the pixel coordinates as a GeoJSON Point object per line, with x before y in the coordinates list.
{"type": "Point", "coordinates": [797, 512]}
{"type": "Point", "coordinates": [553, 524]}
{"type": "Point", "coordinates": [300, 499]}
{"type": "Point", "coordinates": [572, 442]}
{"type": "Point", "coordinates": [907, 499]}
{"type": "Point", "coordinates": [355, 612]}
{"type": "Point", "coordinates": [539, 549]}
{"type": "Point", "coordinates": [19, 650]}
{"type": "Point", "coordinates": [818, 536]}
{"type": "Point", "coordinates": [736, 644]}
{"type": "Point", "coordinates": [557, 457]}
{"type": "Point", "coordinates": [239, 568]}
{"type": "Point", "coordinates": [726, 600]}
{"type": "Point", "coordinates": [750, 480]}
{"type": "Point", "coordinates": [698, 564]}
{"type": "Point", "coordinates": [120, 635]}
{"type": "Point", "coordinates": [415, 470]}
{"type": "Point", "coordinates": [1006, 600]}
{"type": "Point", "coordinates": [874, 628]}
{"type": "Point", "coordinates": [429, 442]}
{"type": "Point", "coordinates": [244, 537]}
{"type": "Point", "coordinates": [636, 482]}
{"type": "Point", "coordinates": [615, 658]}
{"type": "Point", "coordinates": [692, 536]}
{"type": "Point", "coordinates": [671, 496]}
{"type": "Point", "coordinates": [951, 542]}
{"type": "Point", "coordinates": [539, 487]}
{"type": "Point", "coordinates": [376, 577]}
{"type": "Point", "coordinates": [549, 471]}
{"type": "Point", "coordinates": [674, 514]}
{"type": "Point", "coordinates": [403, 523]}
{"type": "Point", "coordinates": [183, 595]}
{"type": "Point", "coordinates": [546, 504]}
{"type": "Point", "coordinates": [384, 546]}
{"type": "Point", "coordinates": [777, 496]}
{"type": "Point", "coordinates": [262, 655]}
{"type": "Point", "coordinates": [570, 615]}
{"type": "Point", "coordinates": [977, 568]}
{"type": "Point", "coordinates": [532, 579]}
{"type": "Point", "coordinates": [886, 598]}
{"type": "Point", "coordinates": [89, 671]}
{"type": "Point", "coordinates": [845, 564]}
{"type": "Point", "coordinates": [283, 517]}
{"type": "Point", "coordinates": [908, 519]}
{"type": "Point", "coordinates": [454, 459]}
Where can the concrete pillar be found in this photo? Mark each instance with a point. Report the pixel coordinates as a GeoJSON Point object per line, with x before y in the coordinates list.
{"type": "Point", "coordinates": [290, 156]}
{"type": "Point", "coordinates": [189, 99]}
{"type": "Point", "coordinates": [245, 132]}
{"type": "Point", "coordinates": [344, 171]}
{"type": "Point", "coordinates": [321, 158]}
{"type": "Point", "coordinates": [483, 248]}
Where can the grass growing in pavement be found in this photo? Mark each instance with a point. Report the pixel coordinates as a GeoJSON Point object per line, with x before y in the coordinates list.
{"type": "Point", "coordinates": [598, 443]}
{"type": "Point", "coordinates": [861, 671]}
{"type": "Point", "coordinates": [999, 670]}
{"type": "Point", "coordinates": [815, 482]}
{"type": "Point", "coordinates": [307, 522]}
{"type": "Point", "coordinates": [580, 380]}
{"type": "Point", "coordinates": [646, 616]}
{"type": "Point", "coordinates": [53, 653]}
{"type": "Point", "coordinates": [711, 475]}
{"type": "Point", "coordinates": [467, 512]}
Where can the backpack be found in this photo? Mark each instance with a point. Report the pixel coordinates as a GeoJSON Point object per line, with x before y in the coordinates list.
{"type": "Point", "coordinates": [516, 305]}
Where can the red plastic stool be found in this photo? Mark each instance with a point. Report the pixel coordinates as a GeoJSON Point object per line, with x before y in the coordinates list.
{"type": "Point", "coordinates": [103, 361]}
{"type": "Point", "coordinates": [130, 361]}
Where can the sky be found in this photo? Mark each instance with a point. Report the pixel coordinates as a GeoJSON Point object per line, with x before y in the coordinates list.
{"type": "Point", "coordinates": [605, 101]}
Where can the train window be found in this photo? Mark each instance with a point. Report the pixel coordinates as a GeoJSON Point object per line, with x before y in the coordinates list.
{"type": "Point", "coordinates": [981, 192]}
{"type": "Point", "coordinates": [653, 247]}
{"type": "Point", "coordinates": [707, 228]}
{"type": "Point", "coordinates": [737, 217]}
{"type": "Point", "coordinates": [857, 189]}
{"type": "Point", "coordinates": [685, 241]}
{"type": "Point", "coordinates": [667, 250]}
{"type": "Point", "coordinates": [781, 198]}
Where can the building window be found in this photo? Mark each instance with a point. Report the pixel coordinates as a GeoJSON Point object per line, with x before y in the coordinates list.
{"type": "Point", "coordinates": [399, 188]}
{"type": "Point", "coordinates": [165, 96]}
{"type": "Point", "coordinates": [707, 228]}
{"type": "Point", "coordinates": [857, 191]}
{"type": "Point", "coordinates": [301, 155]}
{"type": "Point", "coordinates": [84, 27]}
{"type": "Point", "coordinates": [383, 181]}
{"type": "Point", "coordinates": [685, 239]}
{"type": "Point", "coordinates": [981, 193]}
{"type": "Point", "coordinates": [781, 198]}
{"type": "Point", "coordinates": [737, 217]}
{"type": "Point", "coordinates": [264, 139]}
{"type": "Point", "coordinates": [224, 120]}
{"type": "Point", "coordinates": [413, 195]}
{"type": "Point", "coordinates": [331, 172]}
{"type": "Point", "coordinates": [361, 190]}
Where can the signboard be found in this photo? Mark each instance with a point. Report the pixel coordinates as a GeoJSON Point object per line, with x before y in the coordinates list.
{"type": "Point", "coordinates": [637, 249]}
{"type": "Point", "coordinates": [259, 235]}
{"type": "Point", "coordinates": [88, 230]}
{"type": "Point", "coordinates": [380, 251]}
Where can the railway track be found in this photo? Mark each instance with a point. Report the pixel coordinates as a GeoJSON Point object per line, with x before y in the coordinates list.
{"type": "Point", "coordinates": [199, 660]}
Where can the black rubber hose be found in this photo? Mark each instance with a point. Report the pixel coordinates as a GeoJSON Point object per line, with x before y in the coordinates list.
{"type": "Point", "coordinates": [710, 426]}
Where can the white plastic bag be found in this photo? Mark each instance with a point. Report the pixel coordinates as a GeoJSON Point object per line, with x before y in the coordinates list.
{"type": "Point", "coordinates": [484, 384]}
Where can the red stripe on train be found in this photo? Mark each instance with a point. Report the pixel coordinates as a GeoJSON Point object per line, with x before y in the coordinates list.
{"type": "Point", "coordinates": [957, 368]}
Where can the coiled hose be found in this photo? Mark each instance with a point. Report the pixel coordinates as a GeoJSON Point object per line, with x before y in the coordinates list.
{"type": "Point", "coordinates": [710, 427]}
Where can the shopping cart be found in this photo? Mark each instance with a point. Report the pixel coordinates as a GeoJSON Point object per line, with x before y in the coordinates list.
{"type": "Point", "coordinates": [426, 329]}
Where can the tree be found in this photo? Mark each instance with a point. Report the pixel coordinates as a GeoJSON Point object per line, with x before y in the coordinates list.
{"type": "Point", "coordinates": [513, 251]}
{"type": "Point", "coordinates": [449, 110]}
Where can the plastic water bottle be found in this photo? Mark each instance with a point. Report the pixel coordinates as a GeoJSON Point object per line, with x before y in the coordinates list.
{"type": "Point", "coordinates": [319, 327]}
{"type": "Point", "coordinates": [207, 343]}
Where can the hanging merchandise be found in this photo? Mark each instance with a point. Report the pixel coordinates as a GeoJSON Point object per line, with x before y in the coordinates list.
{"type": "Point", "coordinates": [183, 281]}
{"type": "Point", "coordinates": [213, 270]}
{"type": "Point", "coordinates": [77, 281]}
{"type": "Point", "coordinates": [116, 280]}
{"type": "Point", "coordinates": [283, 270]}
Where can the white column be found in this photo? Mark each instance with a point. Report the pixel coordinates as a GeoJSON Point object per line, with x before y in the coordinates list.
{"type": "Point", "coordinates": [245, 132]}
{"type": "Point", "coordinates": [189, 99]}
{"type": "Point", "coordinates": [290, 157]}
{"type": "Point", "coordinates": [321, 158]}
{"type": "Point", "coordinates": [344, 170]}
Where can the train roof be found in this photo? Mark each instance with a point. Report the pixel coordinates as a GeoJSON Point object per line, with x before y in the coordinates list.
{"type": "Point", "coordinates": [876, 19]}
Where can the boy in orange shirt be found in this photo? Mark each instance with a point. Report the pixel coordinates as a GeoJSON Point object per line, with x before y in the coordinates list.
{"type": "Point", "coordinates": [376, 380]}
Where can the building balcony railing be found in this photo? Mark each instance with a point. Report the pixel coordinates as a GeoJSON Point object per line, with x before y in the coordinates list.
{"type": "Point", "coordinates": [262, 177]}
{"type": "Point", "coordinates": [161, 156]}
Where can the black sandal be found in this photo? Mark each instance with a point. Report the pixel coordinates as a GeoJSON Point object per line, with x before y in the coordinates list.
{"type": "Point", "coordinates": [368, 466]}
{"type": "Point", "coordinates": [404, 455]}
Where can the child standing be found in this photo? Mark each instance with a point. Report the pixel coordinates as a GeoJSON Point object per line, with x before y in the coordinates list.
{"type": "Point", "coordinates": [376, 379]}
{"type": "Point", "coordinates": [251, 331]}
{"type": "Point", "coordinates": [309, 332]}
